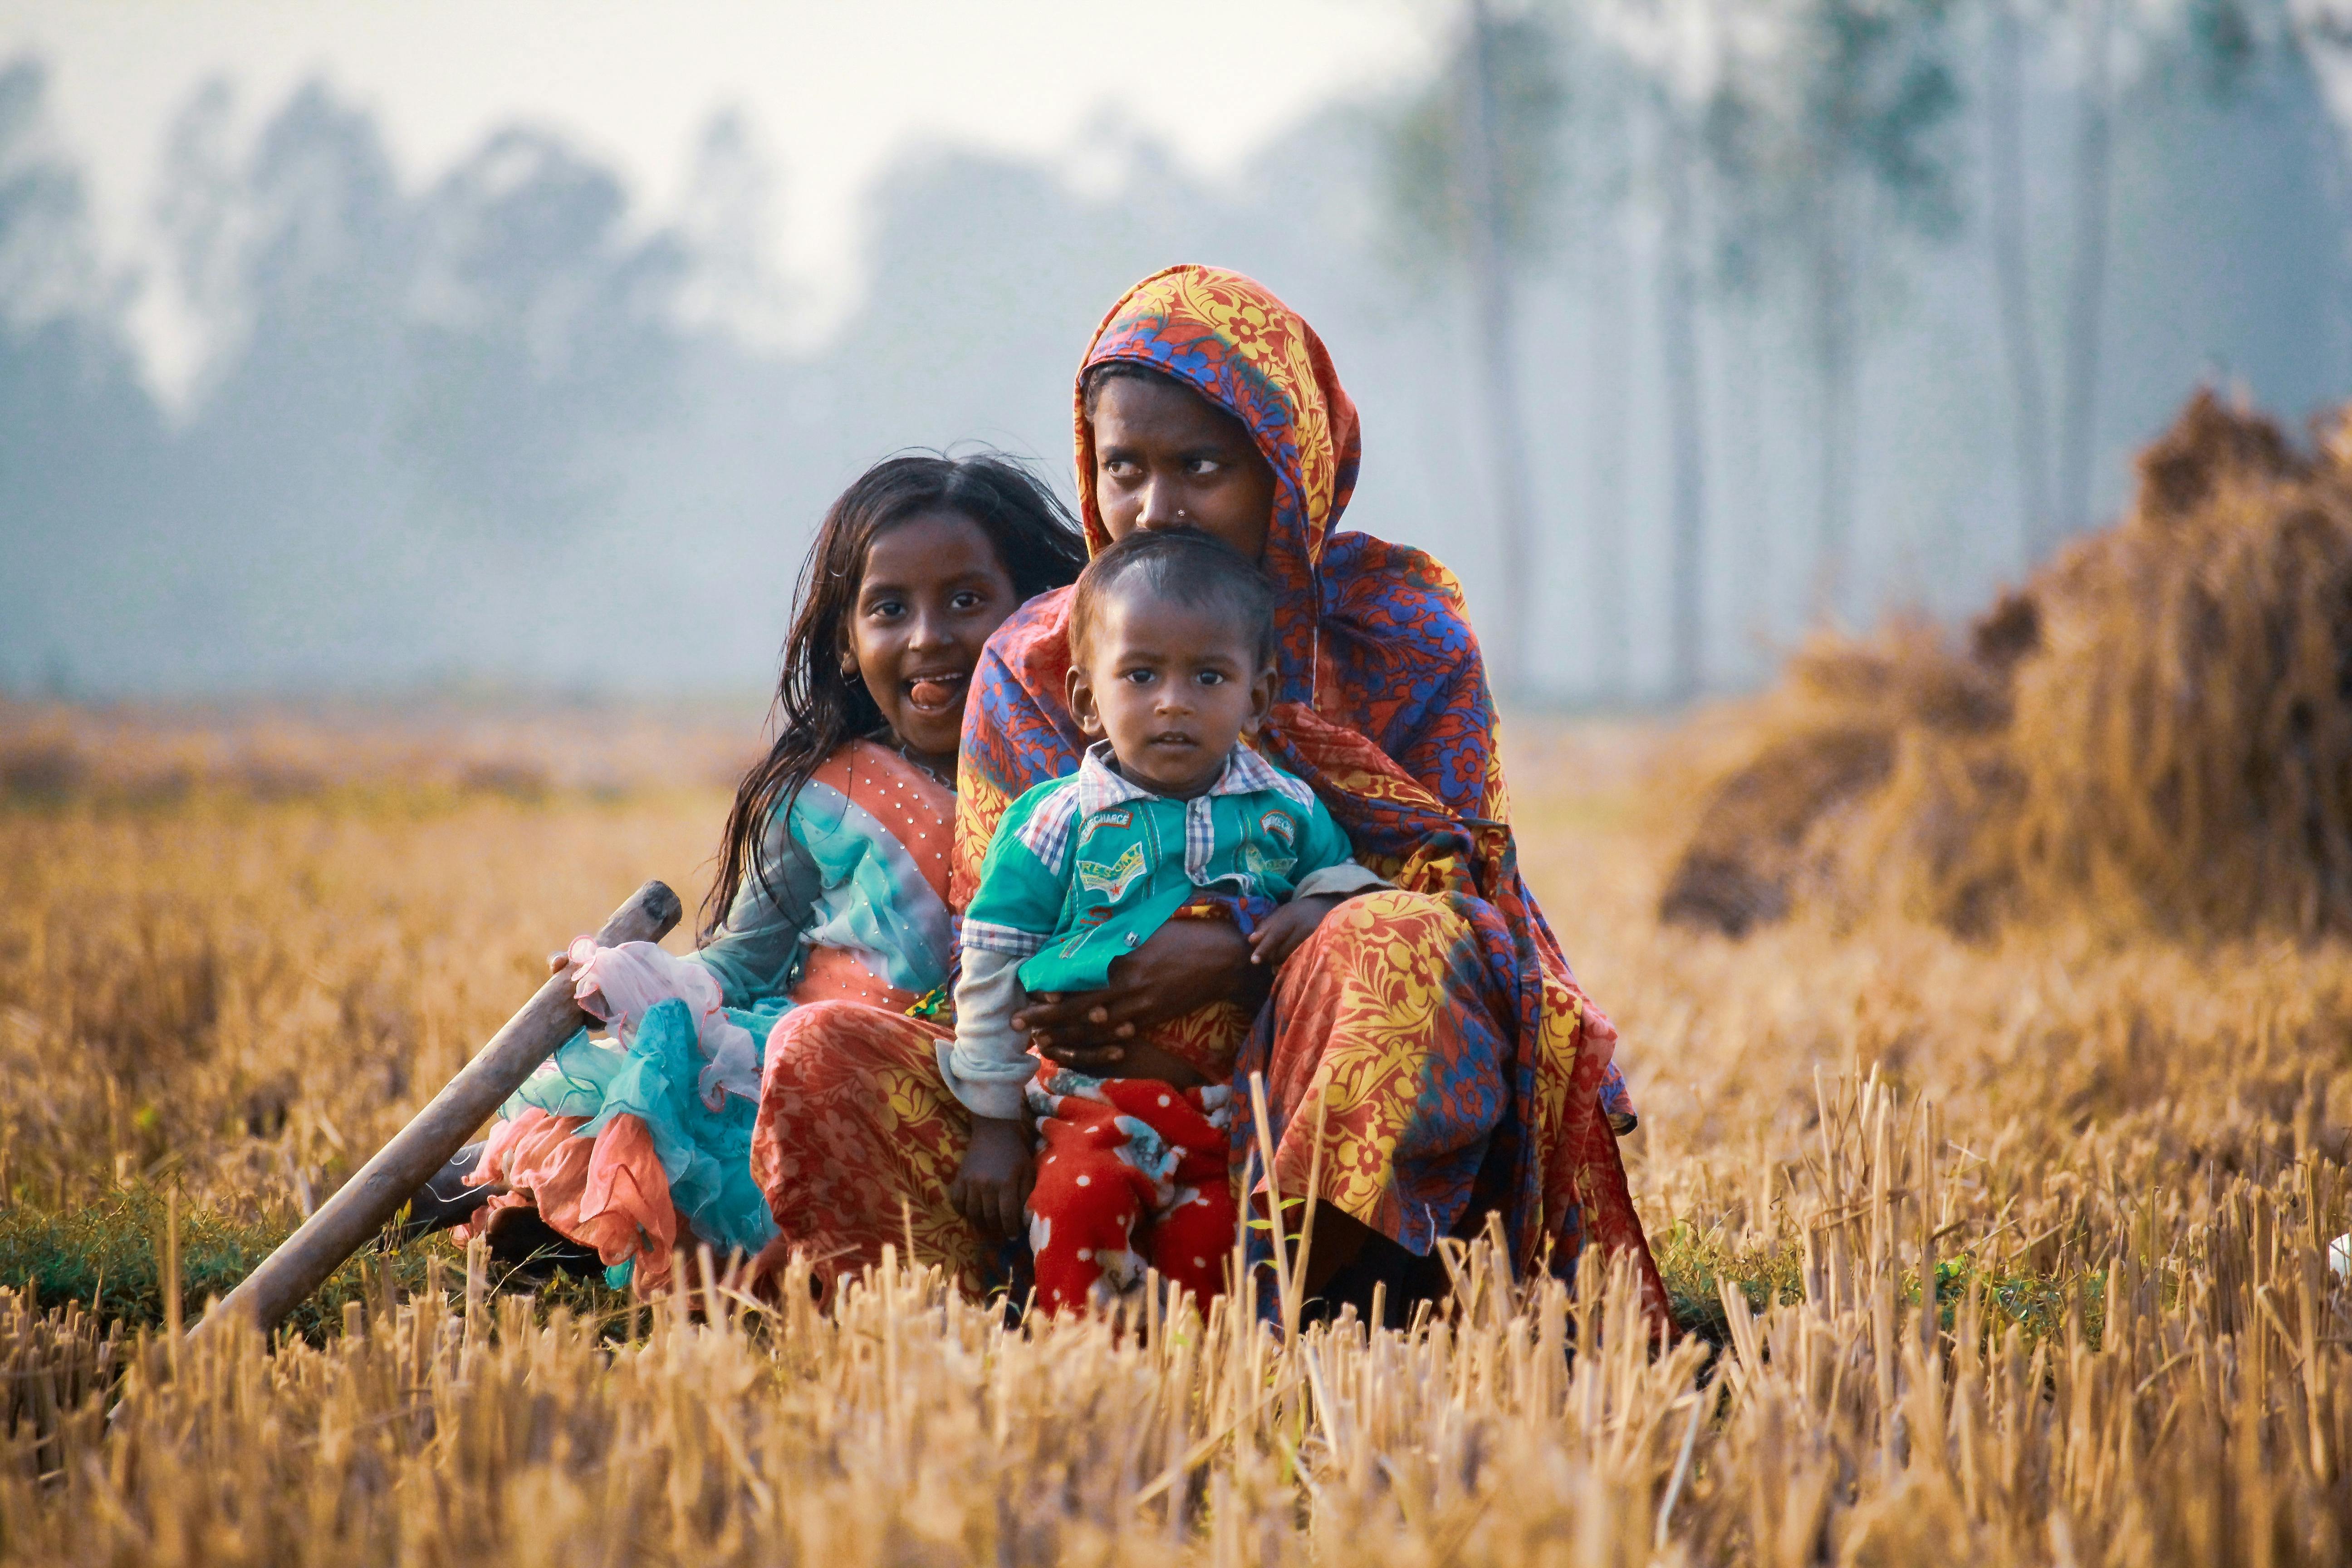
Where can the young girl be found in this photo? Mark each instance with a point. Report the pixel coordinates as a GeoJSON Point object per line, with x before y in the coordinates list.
{"type": "Point", "coordinates": [833, 874]}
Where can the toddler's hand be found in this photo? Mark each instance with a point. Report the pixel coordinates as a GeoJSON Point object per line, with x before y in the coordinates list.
{"type": "Point", "coordinates": [1278, 935]}
{"type": "Point", "coordinates": [992, 1189]}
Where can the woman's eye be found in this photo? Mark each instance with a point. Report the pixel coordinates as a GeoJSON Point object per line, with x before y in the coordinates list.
{"type": "Point", "coordinates": [1200, 467]}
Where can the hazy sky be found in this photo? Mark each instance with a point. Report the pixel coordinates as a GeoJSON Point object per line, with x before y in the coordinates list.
{"type": "Point", "coordinates": [832, 90]}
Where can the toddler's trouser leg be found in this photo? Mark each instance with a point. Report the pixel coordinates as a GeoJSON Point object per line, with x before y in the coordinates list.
{"type": "Point", "coordinates": [1191, 1239]}
{"type": "Point", "coordinates": [1083, 1213]}
{"type": "Point", "coordinates": [1192, 1244]}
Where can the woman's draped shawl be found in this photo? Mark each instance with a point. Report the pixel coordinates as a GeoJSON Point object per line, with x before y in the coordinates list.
{"type": "Point", "coordinates": [1383, 707]}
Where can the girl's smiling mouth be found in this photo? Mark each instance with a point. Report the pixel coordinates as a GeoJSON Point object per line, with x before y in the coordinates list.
{"type": "Point", "coordinates": [935, 692]}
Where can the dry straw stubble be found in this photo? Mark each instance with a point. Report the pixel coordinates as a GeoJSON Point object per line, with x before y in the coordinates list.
{"type": "Point", "coordinates": [2077, 1313]}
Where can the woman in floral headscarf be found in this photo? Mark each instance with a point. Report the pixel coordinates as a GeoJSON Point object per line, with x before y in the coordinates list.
{"type": "Point", "coordinates": [1433, 1033]}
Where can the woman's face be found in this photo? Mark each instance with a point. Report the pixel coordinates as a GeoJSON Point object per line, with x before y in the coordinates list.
{"type": "Point", "coordinates": [1165, 458]}
{"type": "Point", "coordinates": [932, 593]}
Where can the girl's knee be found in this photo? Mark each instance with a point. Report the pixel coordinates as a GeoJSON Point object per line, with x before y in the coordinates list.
{"type": "Point", "coordinates": [849, 1031]}
{"type": "Point", "coordinates": [818, 1018]}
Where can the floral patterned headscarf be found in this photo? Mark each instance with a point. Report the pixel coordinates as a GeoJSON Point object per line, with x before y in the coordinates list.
{"type": "Point", "coordinates": [1225, 337]}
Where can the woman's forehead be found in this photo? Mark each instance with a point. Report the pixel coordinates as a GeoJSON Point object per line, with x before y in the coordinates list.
{"type": "Point", "coordinates": [1130, 408]}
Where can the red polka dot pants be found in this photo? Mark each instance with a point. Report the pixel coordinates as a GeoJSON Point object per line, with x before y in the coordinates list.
{"type": "Point", "coordinates": [1130, 1176]}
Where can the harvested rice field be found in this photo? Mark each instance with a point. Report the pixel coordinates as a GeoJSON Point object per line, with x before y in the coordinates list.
{"type": "Point", "coordinates": [1997, 1239]}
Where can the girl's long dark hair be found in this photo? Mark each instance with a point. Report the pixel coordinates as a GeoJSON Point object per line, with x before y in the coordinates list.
{"type": "Point", "coordinates": [818, 708]}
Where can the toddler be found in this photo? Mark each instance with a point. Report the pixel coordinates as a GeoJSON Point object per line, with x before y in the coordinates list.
{"type": "Point", "coordinates": [1172, 667]}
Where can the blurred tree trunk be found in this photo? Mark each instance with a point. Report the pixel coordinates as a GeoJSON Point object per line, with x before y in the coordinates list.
{"type": "Point", "coordinates": [1747, 493]}
{"type": "Point", "coordinates": [2086, 298]}
{"type": "Point", "coordinates": [1830, 132]}
{"type": "Point", "coordinates": [1833, 332]}
{"type": "Point", "coordinates": [1506, 654]}
{"type": "Point", "coordinates": [2012, 277]}
{"type": "Point", "coordinates": [1609, 370]}
{"type": "Point", "coordinates": [1685, 405]}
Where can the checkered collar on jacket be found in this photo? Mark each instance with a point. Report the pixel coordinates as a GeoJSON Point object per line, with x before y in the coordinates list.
{"type": "Point", "coordinates": [1101, 786]}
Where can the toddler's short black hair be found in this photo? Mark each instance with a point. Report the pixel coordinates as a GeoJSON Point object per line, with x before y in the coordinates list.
{"type": "Point", "coordinates": [1184, 566]}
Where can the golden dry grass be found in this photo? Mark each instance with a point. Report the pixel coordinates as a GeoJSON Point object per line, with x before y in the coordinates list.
{"type": "Point", "coordinates": [2114, 1161]}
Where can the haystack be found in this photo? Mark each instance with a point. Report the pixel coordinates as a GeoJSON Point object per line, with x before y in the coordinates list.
{"type": "Point", "coordinates": [2155, 731]}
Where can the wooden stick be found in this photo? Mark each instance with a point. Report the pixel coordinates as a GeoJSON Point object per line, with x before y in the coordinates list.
{"type": "Point", "coordinates": [357, 1212]}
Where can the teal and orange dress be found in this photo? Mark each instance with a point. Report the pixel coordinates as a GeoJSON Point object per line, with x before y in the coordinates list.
{"type": "Point", "coordinates": [1433, 1031]}
{"type": "Point", "coordinates": [615, 1143]}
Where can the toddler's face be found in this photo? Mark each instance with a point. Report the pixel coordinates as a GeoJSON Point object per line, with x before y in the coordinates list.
{"type": "Point", "coordinates": [932, 591]}
{"type": "Point", "coordinates": [1172, 687]}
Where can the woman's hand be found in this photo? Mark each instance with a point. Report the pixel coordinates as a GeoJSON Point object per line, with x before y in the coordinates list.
{"type": "Point", "coordinates": [1278, 935]}
{"type": "Point", "coordinates": [992, 1189]}
{"type": "Point", "coordinates": [1185, 964]}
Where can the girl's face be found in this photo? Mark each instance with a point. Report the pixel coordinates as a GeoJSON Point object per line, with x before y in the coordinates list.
{"type": "Point", "coordinates": [933, 591]}
{"type": "Point", "coordinates": [1165, 458]}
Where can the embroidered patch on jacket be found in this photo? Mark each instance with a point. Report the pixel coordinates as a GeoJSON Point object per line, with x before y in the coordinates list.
{"type": "Point", "coordinates": [1256, 864]}
{"type": "Point", "coordinates": [1113, 881]}
{"type": "Point", "coordinates": [1113, 820]}
{"type": "Point", "coordinates": [1278, 824]}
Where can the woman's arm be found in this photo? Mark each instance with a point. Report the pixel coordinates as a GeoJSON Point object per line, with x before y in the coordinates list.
{"type": "Point", "coordinates": [1184, 964]}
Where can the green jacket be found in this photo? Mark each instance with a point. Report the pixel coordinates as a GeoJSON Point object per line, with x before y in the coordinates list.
{"type": "Point", "coordinates": [1084, 868]}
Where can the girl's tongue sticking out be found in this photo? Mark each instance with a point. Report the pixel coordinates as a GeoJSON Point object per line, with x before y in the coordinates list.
{"type": "Point", "coordinates": [934, 692]}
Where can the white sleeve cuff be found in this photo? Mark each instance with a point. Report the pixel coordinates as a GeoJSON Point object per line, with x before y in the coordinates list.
{"type": "Point", "coordinates": [988, 1066]}
{"type": "Point", "coordinates": [1344, 880]}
